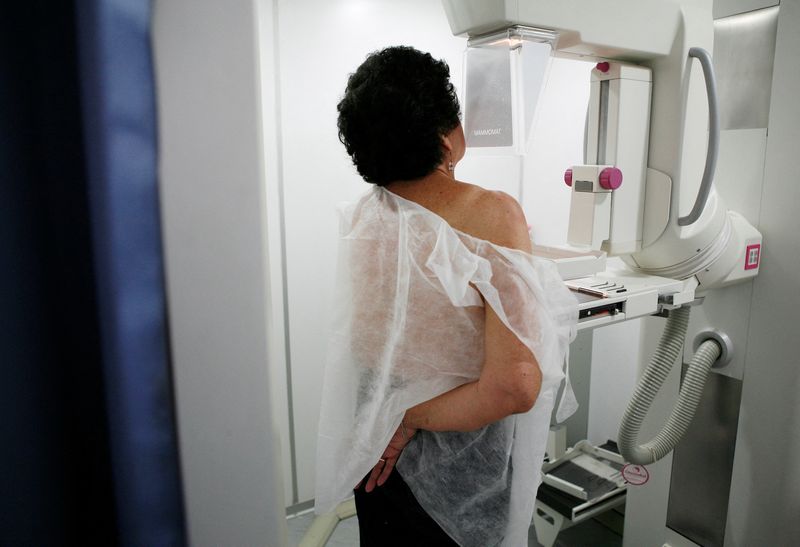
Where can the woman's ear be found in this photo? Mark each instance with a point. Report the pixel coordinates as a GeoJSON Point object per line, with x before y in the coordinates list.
{"type": "Point", "coordinates": [447, 143]}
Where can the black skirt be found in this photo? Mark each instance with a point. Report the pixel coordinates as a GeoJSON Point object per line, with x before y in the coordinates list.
{"type": "Point", "coordinates": [390, 516]}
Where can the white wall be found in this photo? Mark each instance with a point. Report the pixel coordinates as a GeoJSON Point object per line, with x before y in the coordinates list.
{"type": "Point", "coordinates": [212, 200]}
{"type": "Point", "coordinates": [269, 65]}
{"type": "Point", "coordinates": [618, 355]}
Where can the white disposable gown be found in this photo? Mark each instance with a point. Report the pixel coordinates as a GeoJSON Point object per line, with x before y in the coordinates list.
{"type": "Point", "coordinates": [409, 325]}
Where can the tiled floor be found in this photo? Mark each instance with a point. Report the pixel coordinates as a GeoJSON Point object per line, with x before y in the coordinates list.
{"type": "Point", "coordinates": [589, 533]}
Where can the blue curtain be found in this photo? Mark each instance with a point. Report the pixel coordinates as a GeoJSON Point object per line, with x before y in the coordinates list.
{"type": "Point", "coordinates": [119, 115]}
{"type": "Point", "coordinates": [55, 470]}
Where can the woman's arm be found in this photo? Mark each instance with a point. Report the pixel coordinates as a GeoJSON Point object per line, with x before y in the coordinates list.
{"type": "Point", "coordinates": [510, 378]}
{"type": "Point", "coordinates": [509, 384]}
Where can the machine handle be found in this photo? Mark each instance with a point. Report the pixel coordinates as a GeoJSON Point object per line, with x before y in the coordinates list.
{"type": "Point", "coordinates": [713, 136]}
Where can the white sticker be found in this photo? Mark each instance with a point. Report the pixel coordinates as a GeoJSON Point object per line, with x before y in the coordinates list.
{"type": "Point", "coordinates": [636, 475]}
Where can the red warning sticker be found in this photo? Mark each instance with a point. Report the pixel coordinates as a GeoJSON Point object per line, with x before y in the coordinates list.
{"type": "Point", "coordinates": [635, 474]}
{"type": "Point", "coordinates": [752, 256]}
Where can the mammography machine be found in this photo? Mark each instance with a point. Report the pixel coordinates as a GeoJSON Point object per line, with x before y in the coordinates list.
{"type": "Point", "coordinates": [645, 192]}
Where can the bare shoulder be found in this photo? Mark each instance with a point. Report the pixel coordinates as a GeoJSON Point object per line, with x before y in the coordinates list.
{"type": "Point", "coordinates": [497, 217]}
{"type": "Point", "coordinates": [485, 214]}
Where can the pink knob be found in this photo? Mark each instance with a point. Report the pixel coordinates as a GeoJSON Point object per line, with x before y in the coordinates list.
{"type": "Point", "coordinates": [610, 178]}
{"type": "Point", "coordinates": [568, 177]}
{"type": "Point", "coordinates": [603, 66]}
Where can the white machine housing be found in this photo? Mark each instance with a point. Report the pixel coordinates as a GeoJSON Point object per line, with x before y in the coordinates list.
{"type": "Point", "coordinates": [616, 136]}
{"type": "Point", "coordinates": [648, 118]}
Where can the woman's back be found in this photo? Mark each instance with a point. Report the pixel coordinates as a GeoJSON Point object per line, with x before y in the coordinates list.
{"type": "Point", "coordinates": [445, 324]}
{"type": "Point", "coordinates": [481, 213]}
{"type": "Point", "coordinates": [423, 312]}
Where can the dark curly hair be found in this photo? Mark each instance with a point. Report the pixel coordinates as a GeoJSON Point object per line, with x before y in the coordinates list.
{"type": "Point", "coordinates": [395, 109]}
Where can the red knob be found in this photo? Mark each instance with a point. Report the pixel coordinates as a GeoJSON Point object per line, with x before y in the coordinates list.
{"type": "Point", "coordinates": [603, 66]}
{"type": "Point", "coordinates": [568, 177]}
{"type": "Point", "coordinates": [611, 178]}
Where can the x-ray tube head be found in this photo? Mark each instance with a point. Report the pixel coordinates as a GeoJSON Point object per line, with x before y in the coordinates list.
{"type": "Point", "coordinates": [505, 73]}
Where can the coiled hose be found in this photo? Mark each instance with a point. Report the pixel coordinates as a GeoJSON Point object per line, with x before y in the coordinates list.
{"type": "Point", "coordinates": [669, 347]}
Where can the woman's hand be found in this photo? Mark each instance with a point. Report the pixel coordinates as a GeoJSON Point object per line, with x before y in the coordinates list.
{"type": "Point", "coordinates": [386, 463]}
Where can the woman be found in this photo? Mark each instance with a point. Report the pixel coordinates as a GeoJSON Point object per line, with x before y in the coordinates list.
{"type": "Point", "coordinates": [449, 337]}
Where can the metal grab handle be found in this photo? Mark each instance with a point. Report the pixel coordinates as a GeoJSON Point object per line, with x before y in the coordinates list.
{"type": "Point", "coordinates": [713, 136]}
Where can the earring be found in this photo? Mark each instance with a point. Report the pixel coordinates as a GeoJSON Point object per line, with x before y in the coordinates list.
{"type": "Point", "coordinates": [450, 166]}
